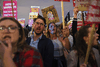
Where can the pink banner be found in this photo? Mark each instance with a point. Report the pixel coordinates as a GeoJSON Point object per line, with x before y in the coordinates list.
{"type": "Point", "coordinates": [30, 22]}
{"type": "Point", "coordinates": [7, 9]}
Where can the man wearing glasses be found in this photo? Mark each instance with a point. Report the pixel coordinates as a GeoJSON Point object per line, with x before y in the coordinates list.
{"type": "Point", "coordinates": [40, 42]}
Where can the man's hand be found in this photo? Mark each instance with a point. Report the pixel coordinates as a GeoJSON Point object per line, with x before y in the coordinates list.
{"type": "Point", "coordinates": [66, 31]}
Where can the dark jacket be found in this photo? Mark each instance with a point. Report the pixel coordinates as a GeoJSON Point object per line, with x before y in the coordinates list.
{"type": "Point", "coordinates": [46, 48]}
{"type": "Point", "coordinates": [74, 29]}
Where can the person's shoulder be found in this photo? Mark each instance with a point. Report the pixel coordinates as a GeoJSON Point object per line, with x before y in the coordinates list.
{"type": "Point", "coordinates": [44, 37]}
{"type": "Point", "coordinates": [73, 52]}
{"type": "Point", "coordinates": [31, 50]}
{"type": "Point", "coordinates": [95, 50]}
{"type": "Point", "coordinates": [70, 36]}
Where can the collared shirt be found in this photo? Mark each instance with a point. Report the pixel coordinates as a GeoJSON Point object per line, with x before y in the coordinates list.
{"type": "Point", "coordinates": [35, 43]}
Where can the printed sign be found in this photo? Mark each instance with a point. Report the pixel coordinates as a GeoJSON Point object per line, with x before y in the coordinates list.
{"type": "Point", "coordinates": [82, 4]}
{"type": "Point", "coordinates": [63, 0]}
{"type": "Point", "coordinates": [50, 14]}
{"type": "Point", "coordinates": [22, 22]}
{"type": "Point", "coordinates": [73, 3]}
{"type": "Point", "coordinates": [30, 22]}
{"type": "Point", "coordinates": [34, 11]}
{"type": "Point", "coordinates": [7, 9]}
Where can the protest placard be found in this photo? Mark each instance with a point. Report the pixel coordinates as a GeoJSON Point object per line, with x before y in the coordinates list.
{"type": "Point", "coordinates": [50, 14]}
{"type": "Point", "coordinates": [7, 9]}
{"type": "Point", "coordinates": [82, 4]}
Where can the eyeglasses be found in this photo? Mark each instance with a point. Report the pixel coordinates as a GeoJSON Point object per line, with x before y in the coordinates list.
{"type": "Point", "coordinates": [41, 24]}
{"type": "Point", "coordinates": [10, 29]}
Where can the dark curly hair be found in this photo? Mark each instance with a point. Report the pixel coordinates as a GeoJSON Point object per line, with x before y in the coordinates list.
{"type": "Point", "coordinates": [40, 17]}
{"type": "Point", "coordinates": [81, 45]}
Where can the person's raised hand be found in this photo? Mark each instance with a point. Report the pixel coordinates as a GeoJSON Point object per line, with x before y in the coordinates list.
{"type": "Point", "coordinates": [75, 10]}
{"type": "Point", "coordinates": [66, 31]}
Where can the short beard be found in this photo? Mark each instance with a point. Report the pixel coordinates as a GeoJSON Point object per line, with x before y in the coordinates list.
{"type": "Point", "coordinates": [38, 33]}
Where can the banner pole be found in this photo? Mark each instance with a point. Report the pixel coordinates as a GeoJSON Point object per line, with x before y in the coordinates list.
{"type": "Point", "coordinates": [62, 13]}
{"type": "Point", "coordinates": [12, 8]}
{"type": "Point", "coordinates": [90, 43]}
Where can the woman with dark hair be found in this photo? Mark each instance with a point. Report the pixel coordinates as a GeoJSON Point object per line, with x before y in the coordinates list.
{"type": "Point", "coordinates": [77, 56]}
{"type": "Point", "coordinates": [59, 44]}
{"type": "Point", "coordinates": [26, 31]}
{"type": "Point", "coordinates": [14, 52]}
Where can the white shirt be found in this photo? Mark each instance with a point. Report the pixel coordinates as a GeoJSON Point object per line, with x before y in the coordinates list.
{"type": "Point", "coordinates": [58, 48]}
{"type": "Point", "coordinates": [70, 38]}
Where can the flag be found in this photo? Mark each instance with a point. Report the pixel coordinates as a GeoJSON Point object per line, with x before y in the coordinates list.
{"type": "Point", "coordinates": [73, 3]}
{"type": "Point", "coordinates": [63, 0]}
{"type": "Point", "coordinates": [93, 15]}
{"type": "Point", "coordinates": [67, 18]}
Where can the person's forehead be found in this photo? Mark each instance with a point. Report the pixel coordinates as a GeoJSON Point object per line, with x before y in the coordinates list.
{"type": "Point", "coordinates": [52, 24]}
{"type": "Point", "coordinates": [39, 20]}
{"type": "Point", "coordinates": [8, 23]}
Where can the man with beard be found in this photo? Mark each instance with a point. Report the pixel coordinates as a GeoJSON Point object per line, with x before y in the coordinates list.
{"type": "Point", "coordinates": [40, 42]}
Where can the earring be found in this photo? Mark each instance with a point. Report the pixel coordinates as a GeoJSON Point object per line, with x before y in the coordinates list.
{"type": "Point", "coordinates": [86, 42]}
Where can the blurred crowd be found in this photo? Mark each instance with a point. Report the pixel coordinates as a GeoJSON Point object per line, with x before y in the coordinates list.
{"type": "Point", "coordinates": [47, 45]}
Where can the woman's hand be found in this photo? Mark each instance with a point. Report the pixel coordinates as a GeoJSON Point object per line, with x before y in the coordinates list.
{"type": "Point", "coordinates": [6, 51]}
{"type": "Point", "coordinates": [7, 54]}
{"type": "Point", "coordinates": [2, 50]}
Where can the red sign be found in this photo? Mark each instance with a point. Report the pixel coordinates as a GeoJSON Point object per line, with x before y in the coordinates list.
{"type": "Point", "coordinates": [7, 9]}
{"type": "Point", "coordinates": [73, 3]}
{"type": "Point", "coordinates": [93, 15]}
{"type": "Point", "coordinates": [10, 0]}
{"type": "Point", "coordinates": [63, 0]}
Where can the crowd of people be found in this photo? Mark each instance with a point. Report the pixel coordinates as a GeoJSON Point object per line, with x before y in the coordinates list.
{"type": "Point", "coordinates": [54, 47]}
